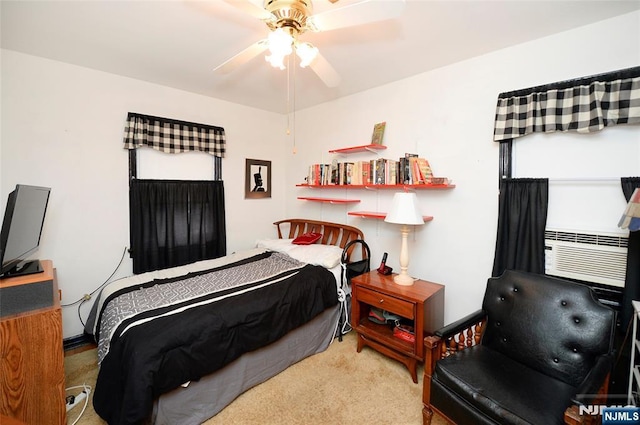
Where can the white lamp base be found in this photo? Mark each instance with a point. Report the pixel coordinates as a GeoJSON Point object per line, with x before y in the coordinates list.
{"type": "Point", "coordinates": [403, 279]}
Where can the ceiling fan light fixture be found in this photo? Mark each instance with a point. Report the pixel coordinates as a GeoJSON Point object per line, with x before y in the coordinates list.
{"type": "Point", "coordinates": [280, 45]}
{"type": "Point", "coordinates": [307, 53]}
{"type": "Point", "coordinates": [289, 19]}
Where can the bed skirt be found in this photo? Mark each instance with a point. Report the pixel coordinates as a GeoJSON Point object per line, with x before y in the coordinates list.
{"type": "Point", "coordinates": [203, 399]}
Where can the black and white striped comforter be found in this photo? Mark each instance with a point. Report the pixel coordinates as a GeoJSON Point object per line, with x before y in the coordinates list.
{"type": "Point", "coordinates": [159, 334]}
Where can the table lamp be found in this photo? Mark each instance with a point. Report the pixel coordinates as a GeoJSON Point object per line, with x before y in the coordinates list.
{"type": "Point", "coordinates": [404, 210]}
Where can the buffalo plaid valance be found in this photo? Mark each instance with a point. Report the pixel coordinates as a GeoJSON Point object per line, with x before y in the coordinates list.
{"type": "Point", "coordinates": [584, 105]}
{"type": "Point", "coordinates": [172, 136]}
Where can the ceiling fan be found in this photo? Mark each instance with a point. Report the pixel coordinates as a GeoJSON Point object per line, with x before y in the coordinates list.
{"type": "Point", "coordinates": [288, 19]}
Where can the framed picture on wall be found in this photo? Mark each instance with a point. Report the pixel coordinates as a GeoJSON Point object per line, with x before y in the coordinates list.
{"type": "Point", "coordinates": [257, 182]}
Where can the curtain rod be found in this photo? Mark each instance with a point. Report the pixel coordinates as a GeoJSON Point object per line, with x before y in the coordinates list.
{"type": "Point", "coordinates": [572, 179]}
{"type": "Point", "coordinates": [174, 121]}
{"type": "Point", "coordinates": [604, 77]}
{"type": "Point", "coordinates": [584, 180]}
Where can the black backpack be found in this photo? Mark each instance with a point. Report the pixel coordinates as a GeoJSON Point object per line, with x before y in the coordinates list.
{"type": "Point", "coordinates": [359, 267]}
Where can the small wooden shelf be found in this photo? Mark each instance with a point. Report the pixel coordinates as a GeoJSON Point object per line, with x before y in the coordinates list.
{"type": "Point", "coordinates": [329, 200]}
{"type": "Point", "coordinates": [356, 149]}
{"type": "Point", "coordinates": [379, 215]}
{"type": "Point", "coordinates": [378, 186]}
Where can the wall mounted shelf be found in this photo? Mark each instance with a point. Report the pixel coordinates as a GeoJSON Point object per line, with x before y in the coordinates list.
{"type": "Point", "coordinates": [329, 200]}
{"type": "Point", "coordinates": [356, 149]}
{"type": "Point", "coordinates": [379, 215]}
{"type": "Point", "coordinates": [442, 183]}
{"type": "Point", "coordinates": [378, 186]}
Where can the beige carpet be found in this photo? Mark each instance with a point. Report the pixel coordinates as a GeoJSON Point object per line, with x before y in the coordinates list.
{"type": "Point", "coordinates": [338, 386]}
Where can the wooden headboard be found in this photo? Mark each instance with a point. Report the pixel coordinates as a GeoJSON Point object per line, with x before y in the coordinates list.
{"type": "Point", "coordinates": [332, 233]}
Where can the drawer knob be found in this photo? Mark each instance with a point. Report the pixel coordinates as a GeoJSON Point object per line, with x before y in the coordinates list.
{"type": "Point", "coordinates": [381, 301]}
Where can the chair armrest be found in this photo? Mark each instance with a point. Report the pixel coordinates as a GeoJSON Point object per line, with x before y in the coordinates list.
{"type": "Point", "coordinates": [593, 391]}
{"type": "Point", "coordinates": [597, 381]}
{"type": "Point", "coordinates": [461, 324]}
{"type": "Point", "coordinates": [444, 342]}
{"type": "Point", "coordinates": [454, 337]}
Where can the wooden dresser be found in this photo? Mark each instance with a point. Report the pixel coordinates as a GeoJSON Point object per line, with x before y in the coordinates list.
{"type": "Point", "coordinates": [31, 354]}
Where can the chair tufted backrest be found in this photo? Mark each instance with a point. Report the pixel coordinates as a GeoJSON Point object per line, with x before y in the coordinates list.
{"type": "Point", "coordinates": [552, 325]}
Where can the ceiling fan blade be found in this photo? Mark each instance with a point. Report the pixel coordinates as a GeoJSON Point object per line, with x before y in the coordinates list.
{"type": "Point", "coordinates": [360, 13]}
{"type": "Point", "coordinates": [251, 8]}
{"type": "Point", "coordinates": [243, 57]}
{"type": "Point", "coordinates": [325, 71]}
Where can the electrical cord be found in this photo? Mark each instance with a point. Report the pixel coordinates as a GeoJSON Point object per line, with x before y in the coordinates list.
{"type": "Point", "coordinates": [342, 298]}
{"type": "Point", "coordinates": [88, 296]}
{"type": "Point", "coordinates": [86, 390]}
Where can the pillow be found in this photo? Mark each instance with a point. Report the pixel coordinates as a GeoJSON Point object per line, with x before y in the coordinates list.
{"type": "Point", "coordinates": [327, 256]}
{"type": "Point", "coordinates": [307, 238]}
{"type": "Point", "coordinates": [277, 245]}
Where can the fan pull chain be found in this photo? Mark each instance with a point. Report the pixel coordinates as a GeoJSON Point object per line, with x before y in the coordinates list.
{"type": "Point", "coordinates": [288, 95]}
{"type": "Point", "coordinates": [295, 149]}
{"type": "Point", "coordinates": [291, 113]}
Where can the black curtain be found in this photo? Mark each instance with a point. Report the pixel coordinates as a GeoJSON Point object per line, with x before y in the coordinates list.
{"type": "Point", "coordinates": [632, 280]}
{"type": "Point", "coordinates": [175, 222]}
{"type": "Point", "coordinates": [522, 218]}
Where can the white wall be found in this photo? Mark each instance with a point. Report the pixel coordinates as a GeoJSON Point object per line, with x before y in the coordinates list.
{"type": "Point", "coordinates": [447, 116]}
{"type": "Point", "coordinates": [62, 127]}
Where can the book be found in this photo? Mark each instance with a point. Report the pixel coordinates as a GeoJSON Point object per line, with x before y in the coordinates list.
{"type": "Point", "coordinates": [378, 171]}
{"type": "Point", "coordinates": [334, 172]}
{"type": "Point", "coordinates": [407, 177]}
{"type": "Point", "coordinates": [438, 180]}
{"type": "Point", "coordinates": [378, 133]}
{"type": "Point", "coordinates": [391, 168]}
{"type": "Point", "coordinates": [348, 178]}
{"type": "Point", "coordinates": [366, 172]}
{"type": "Point", "coordinates": [425, 170]}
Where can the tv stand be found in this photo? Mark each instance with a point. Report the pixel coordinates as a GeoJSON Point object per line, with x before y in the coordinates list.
{"type": "Point", "coordinates": [24, 268]}
{"type": "Point", "coordinates": [32, 381]}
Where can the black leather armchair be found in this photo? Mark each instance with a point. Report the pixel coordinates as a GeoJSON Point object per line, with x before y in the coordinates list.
{"type": "Point", "coordinates": [539, 347]}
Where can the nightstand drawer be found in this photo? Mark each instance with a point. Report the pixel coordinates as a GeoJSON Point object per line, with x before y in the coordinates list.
{"type": "Point", "coordinates": [386, 302]}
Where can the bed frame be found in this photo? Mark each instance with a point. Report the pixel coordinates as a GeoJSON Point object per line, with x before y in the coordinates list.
{"type": "Point", "coordinates": [205, 398]}
{"type": "Point", "coordinates": [332, 233]}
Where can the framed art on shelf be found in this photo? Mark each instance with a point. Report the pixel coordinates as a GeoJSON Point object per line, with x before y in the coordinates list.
{"type": "Point", "coordinates": [257, 179]}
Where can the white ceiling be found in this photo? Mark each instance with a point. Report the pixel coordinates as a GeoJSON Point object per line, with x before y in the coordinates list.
{"type": "Point", "coordinates": [178, 43]}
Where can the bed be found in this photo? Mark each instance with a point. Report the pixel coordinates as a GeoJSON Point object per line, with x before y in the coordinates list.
{"type": "Point", "coordinates": [176, 346]}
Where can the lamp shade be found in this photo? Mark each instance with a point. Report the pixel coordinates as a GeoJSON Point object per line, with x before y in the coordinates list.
{"type": "Point", "coordinates": [404, 209]}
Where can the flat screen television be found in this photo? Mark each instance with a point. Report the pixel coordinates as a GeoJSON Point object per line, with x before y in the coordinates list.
{"type": "Point", "coordinates": [21, 230]}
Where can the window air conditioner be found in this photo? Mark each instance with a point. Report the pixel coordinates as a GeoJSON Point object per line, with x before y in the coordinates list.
{"type": "Point", "coordinates": [598, 258]}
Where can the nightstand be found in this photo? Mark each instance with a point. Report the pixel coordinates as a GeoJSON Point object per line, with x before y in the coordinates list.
{"type": "Point", "coordinates": [422, 303]}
